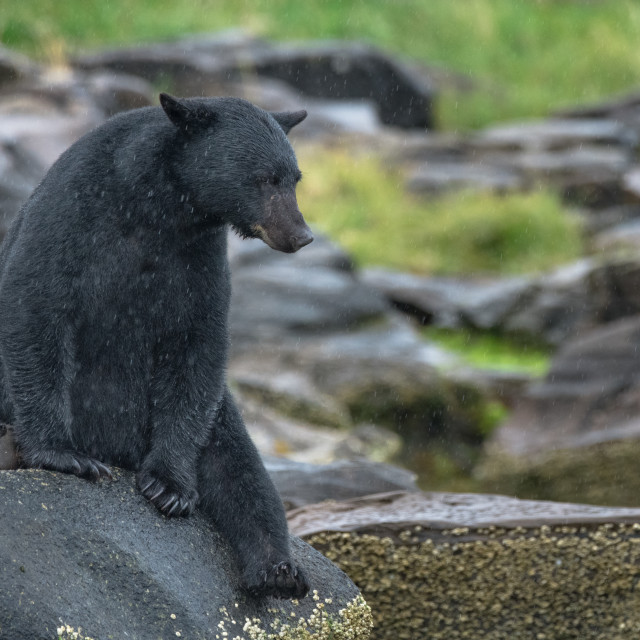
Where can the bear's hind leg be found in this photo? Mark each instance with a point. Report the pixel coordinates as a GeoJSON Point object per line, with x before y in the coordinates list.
{"type": "Point", "coordinates": [237, 493]}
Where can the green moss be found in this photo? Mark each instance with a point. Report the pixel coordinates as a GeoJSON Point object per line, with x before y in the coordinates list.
{"type": "Point", "coordinates": [366, 207]}
{"type": "Point", "coordinates": [489, 350]}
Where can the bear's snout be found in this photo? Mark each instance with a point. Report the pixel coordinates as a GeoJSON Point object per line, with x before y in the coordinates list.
{"type": "Point", "coordinates": [282, 226]}
{"type": "Point", "coordinates": [297, 242]}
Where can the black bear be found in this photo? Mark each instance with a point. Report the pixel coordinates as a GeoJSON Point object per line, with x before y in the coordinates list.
{"type": "Point", "coordinates": [114, 295]}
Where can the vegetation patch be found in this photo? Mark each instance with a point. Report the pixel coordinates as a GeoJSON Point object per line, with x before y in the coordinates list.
{"type": "Point", "coordinates": [488, 350]}
{"type": "Point", "coordinates": [355, 199]}
{"type": "Point", "coordinates": [522, 58]}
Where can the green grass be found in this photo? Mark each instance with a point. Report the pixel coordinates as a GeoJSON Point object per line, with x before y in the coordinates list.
{"type": "Point", "coordinates": [487, 350]}
{"type": "Point", "coordinates": [354, 200]}
{"type": "Point", "coordinates": [525, 56]}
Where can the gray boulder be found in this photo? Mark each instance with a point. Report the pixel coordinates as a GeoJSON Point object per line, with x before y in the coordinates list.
{"type": "Point", "coordinates": [434, 178]}
{"type": "Point", "coordinates": [586, 159]}
{"type": "Point", "coordinates": [547, 308]}
{"type": "Point", "coordinates": [99, 557]}
{"type": "Point", "coordinates": [325, 70]}
{"type": "Point", "coordinates": [300, 483]}
{"type": "Point", "coordinates": [555, 134]}
{"type": "Point", "coordinates": [276, 300]}
{"type": "Point", "coordinates": [15, 67]}
{"type": "Point", "coordinates": [482, 303]}
{"type": "Point", "coordinates": [624, 109]}
{"type": "Point", "coordinates": [313, 291]}
{"type": "Point", "coordinates": [338, 70]}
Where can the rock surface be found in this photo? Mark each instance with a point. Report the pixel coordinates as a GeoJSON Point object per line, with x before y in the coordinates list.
{"type": "Point", "coordinates": [322, 70]}
{"type": "Point", "coordinates": [451, 566]}
{"type": "Point", "coordinates": [575, 435]}
{"type": "Point", "coordinates": [99, 557]}
{"type": "Point", "coordinates": [551, 307]}
{"type": "Point", "coordinates": [300, 484]}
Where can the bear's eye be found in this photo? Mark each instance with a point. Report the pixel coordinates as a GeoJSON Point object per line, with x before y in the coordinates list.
{"type": "Point", "coordinates": [271, 179]}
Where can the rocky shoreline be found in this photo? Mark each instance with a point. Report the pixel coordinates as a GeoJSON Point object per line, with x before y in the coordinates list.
{"type": "Point", "coordinates": [331, 369]}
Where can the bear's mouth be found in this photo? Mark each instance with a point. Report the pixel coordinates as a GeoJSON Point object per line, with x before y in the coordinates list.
{"type": "Point", "coordinates": [287, 243]}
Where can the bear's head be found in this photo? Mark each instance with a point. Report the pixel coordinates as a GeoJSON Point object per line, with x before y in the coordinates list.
{"type": "Point", "coordinates": [236, 166]}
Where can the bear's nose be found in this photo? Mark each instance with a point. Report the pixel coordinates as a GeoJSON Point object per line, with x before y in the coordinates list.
{"type": "Point", "coordinates": [297, 242]}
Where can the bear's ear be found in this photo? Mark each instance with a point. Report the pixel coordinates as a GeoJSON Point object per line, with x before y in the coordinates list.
{"type": "Point", "coordinates": [289, 119]}
{"type": "Point", "coordinates": [182, 115]}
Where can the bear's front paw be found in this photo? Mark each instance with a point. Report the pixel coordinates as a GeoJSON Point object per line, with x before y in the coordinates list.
{"type": "Point", "coordinates": [168, 497]}
{"type": "Point", "coordinates": [282, 580]}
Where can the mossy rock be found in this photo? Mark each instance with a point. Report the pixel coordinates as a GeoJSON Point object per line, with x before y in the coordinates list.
{"type": "Point", "coordinates": [601, 473]}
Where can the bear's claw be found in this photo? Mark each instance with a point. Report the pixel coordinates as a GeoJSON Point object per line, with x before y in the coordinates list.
{"type": "Point", "coordinates": [169, 500]}
{"type": "Point", "coordinates": [282, 580]}
{"type": "Point", "coordinates": [70, 462]}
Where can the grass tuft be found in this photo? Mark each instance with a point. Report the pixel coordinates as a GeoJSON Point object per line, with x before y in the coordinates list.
{"type": "Point", "coordinates": [365, 208]}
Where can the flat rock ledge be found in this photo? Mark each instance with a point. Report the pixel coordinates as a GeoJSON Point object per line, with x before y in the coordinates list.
{"type": "Point", "coordinates": [444, 565]}
{"type": "Point", "coordinates": [76, 555]}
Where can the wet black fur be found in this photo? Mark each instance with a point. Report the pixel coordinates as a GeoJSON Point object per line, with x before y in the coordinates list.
{"type": "Point", "coordinates": [114, 294]}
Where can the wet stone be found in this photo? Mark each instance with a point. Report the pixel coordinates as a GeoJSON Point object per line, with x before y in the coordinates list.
{"type": "Point", "coordinates": [126, 571]}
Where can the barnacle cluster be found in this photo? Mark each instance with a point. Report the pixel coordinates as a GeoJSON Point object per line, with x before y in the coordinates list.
{"type": "Point", "coordinates": [353, 622]}
{"type": "Point", "coordinates": [496, 583]}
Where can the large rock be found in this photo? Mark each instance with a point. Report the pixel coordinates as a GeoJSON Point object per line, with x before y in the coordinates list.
{"type": "Point", "coordinates": [576, 435]}
{"type": "Point", "coordinates": [277, 434]}
{"type": "Point", "coordinates": [555, 134]}
{"type": "Point", "coordinates": [340, 70]}
{"type": "Point", "coordinates": [547, 308]}
{"type": "Point", "coordinates": [99, 557]}
{"type": "Point", "coordinates": [277, 300]}
{"type": "Point", "coordinates": [300, 484]}
{"type": "Point", "coordinates": [314, 291]}
{"type": "Point", "coordinates": [15, 67]}
{"type": "Point", "coordinates": [456, 566]}
{"type": "Point", "coordinates": [482, 303]}
{"type": "Point", "coordinates": [324, 70]}
{"type": "Point", "coordinates": [435, 178]}
{"type": "Point", "coordinates": [624, 109]}
{"type": "Point", "coordinates": [550, 308]}
{"type": "Point", "coordinates": [586, 159]}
